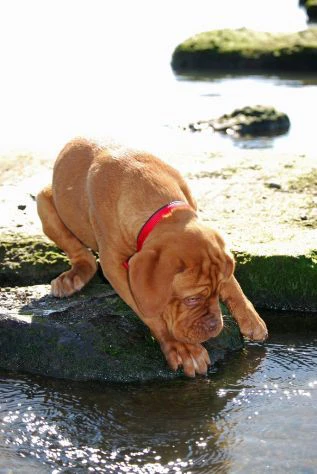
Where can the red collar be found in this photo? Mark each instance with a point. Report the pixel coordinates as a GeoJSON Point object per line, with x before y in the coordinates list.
{"type": "Point", "coordinates": [147, 228]}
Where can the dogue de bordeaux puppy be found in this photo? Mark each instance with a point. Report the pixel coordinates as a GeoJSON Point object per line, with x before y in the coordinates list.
{"type": "Point", "coordinates": [138, 213]}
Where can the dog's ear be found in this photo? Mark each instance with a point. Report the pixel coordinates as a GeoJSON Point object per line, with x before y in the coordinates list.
{"type": "Point", "coordinates": [151, 275]}
{"type": "Point", "coordinates": [227, 267]}
{"type": "Point", "coordinates": [220, 256]}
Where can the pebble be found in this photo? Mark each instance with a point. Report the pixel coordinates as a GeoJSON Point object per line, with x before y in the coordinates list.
{"type": "Point", "coordinates": [273, 185]}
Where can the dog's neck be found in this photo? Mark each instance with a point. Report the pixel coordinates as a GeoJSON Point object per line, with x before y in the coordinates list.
{"type": "Point", "coordinates": [151, 223]}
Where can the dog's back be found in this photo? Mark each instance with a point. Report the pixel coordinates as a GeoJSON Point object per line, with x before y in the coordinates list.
{"type": "Point", "coordinates": [121, 185]}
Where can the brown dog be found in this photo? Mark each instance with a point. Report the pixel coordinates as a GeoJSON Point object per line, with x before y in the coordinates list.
{"type": "Point", "coordinates": [171, 273]}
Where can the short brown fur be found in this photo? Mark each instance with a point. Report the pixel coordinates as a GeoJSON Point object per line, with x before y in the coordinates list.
{"type": "Point", "coordinates": [99, 200]}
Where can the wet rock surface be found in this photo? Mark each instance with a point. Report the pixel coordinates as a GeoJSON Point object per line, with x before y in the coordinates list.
{"type": "Point", "coordinates": [90, 336]}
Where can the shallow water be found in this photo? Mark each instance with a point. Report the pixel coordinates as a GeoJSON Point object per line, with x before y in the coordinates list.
{"type": "Point", "coordinates": [255, 412]}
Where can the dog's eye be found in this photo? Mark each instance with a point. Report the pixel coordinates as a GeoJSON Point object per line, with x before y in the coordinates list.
{"type": "Point", "coordinates": [192, 300]}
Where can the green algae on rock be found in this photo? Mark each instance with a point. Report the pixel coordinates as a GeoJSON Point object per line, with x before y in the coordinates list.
{"type": "Point", "coordinates": [274, 281]}
{"type": "Point", "coordinates": [93, 335]}
{"type": "Point", "coordinates": [245, 49]}
{"type": "Point", "coordinates": [29, 260]}
{"type": "Point", "coordinates": [283, 282]}
{"type": "Point", "coordinates": [258, 120]}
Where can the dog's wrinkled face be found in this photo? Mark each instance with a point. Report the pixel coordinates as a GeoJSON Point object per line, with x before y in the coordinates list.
{"type": "Point", "coordinates": [180, 282]}
{"type": "Point", "coordinates": [193, 314]}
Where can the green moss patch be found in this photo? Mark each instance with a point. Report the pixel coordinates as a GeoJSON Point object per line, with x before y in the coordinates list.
{"type": "Point", "coordinates": [280, 282]}
{"type": "Point", "coordinates": [29, 260]}
{"type": "Point", "coordinates": [246, 49]}
{"type": "Point", "coordinates": [271, 281]}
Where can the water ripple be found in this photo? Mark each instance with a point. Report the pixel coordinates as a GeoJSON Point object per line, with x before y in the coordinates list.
{"type": "Point", "coordinates": [252, 403]}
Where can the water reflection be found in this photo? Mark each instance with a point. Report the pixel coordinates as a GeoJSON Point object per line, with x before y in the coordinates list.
{"type": "Point", "coordinates": [275, 411]}
{"type": "Point", "coordinates": [243, 417]}
{"type": "Point", "coordinates": [150, 428]}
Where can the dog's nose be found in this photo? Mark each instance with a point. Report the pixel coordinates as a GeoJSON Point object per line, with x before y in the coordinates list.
{"type": "Point", "coordinates": [213, 320]}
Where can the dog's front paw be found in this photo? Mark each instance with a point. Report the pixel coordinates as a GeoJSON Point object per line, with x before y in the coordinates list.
{"type": "Point", "coordinates": [192, 357]}
{"type": "Point", "coordinates": [252, 325]}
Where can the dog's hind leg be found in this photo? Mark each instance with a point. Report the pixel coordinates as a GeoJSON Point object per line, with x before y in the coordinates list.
{"type": "Point", "coordinates": [83, 262]}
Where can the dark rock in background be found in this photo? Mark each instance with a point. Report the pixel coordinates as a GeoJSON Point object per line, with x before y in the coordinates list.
{"type": "Point", "coordinates": [258, 120]}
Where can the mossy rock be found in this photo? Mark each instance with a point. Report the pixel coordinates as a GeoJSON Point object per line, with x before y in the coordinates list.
{"type": "Point", "coordinates": [29, 260]}
{"type": "Point", "coordinates": [272, 281]}
{"type": "Point", "coordinates": [258, 120]}
{"type": "Point", "coordinates": [93, 335]}
{"type": "Point", "coordinates": [280, 282]}
{"type": "Point", "coordinates": [245, 49]}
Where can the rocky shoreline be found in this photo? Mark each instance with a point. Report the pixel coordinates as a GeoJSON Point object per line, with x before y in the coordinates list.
{"type": "Point", "coordinates": [266, 204]}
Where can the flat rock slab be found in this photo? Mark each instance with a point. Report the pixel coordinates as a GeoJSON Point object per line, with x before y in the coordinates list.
{"type": "Point", "coordinates": [90, 336]}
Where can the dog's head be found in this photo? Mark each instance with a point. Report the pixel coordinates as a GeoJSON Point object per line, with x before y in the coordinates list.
{"type": "Point", "coordinates": [179, 280]}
